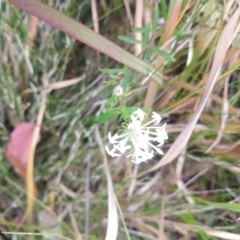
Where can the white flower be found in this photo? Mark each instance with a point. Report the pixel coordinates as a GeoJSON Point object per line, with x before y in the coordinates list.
{"type": "Point", "coordinates": [139, 137]}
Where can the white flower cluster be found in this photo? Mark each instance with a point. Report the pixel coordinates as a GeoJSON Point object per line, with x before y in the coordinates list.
{"type": "Point", "coordinates": [139, 137]}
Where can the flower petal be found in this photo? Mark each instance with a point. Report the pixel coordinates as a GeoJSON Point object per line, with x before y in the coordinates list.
{"type": "Point", "coordinates": [139, 114]}
{"type": "Point", "coordinates": [112, 152]}
{"type": "Point", "coordinates": [156, 118]}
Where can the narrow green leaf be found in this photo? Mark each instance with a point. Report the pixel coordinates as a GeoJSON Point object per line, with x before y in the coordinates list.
{"type": "Point", "coordinates": [130, 110]}
{"type": "Point", "coordinates": [155, 18]}
{"type": "Point", "coordinates": [147, 54]}
{"type": "Point", "coordinates": [235, 207]}
{"type": "Point", "coordinates": [109, 115]}
{"type": "Point", "coordinates": [111, 82]}
{"type": "Point", "coordinates": [164, 54]}
{"type": "Point", "coordinates": [164, 8]}
{"type": "Point", "coordinates": [141, 30]}
{"type": "Point", "coordinates": [112, 71]}
{"type": "Point", "coordinates": [111, 100]}
{"type": "Point", "coordinates": [146, 34]}
{"type": "Point", "coordinates": [129, 39]}
{"type": "Point", "coordinates": [170, 8]}
{"type": "Point", "coordinates": [114, 76]}
{"type": "Point", "coordinates": [126, 81]}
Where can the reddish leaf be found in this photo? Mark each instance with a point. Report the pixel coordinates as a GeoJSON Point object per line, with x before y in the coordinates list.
{"type": "Point", "coordinates": [19, 145]}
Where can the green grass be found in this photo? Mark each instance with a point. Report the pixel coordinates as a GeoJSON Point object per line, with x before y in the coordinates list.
{"type": "Point", "coordinates": [69, 170]}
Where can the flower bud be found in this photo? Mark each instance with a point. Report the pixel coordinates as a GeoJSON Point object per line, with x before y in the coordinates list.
{"type": "Point", "coordinates": [118, 91]}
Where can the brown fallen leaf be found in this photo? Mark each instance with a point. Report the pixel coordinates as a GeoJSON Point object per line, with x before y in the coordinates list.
{"type": "Point", "coordinates": [18, 147]}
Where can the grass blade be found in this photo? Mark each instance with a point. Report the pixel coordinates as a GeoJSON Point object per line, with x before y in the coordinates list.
{"type": "Point", "coordinates": [112, 223]}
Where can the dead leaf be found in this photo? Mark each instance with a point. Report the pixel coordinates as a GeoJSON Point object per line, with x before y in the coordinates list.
{"type": "Point", "coordinates": [18, 146]}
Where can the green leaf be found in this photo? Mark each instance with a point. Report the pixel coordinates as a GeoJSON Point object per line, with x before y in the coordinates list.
{"type": "Point", "coordinates": [109, 115]}
{"type": "Point", "coordinates": [155, 18]}
{"type": "Point", "coordinates": [235, 207]}
{"type": "Point", "coordinates": [146, 34]}
{"type": "Point", "coordinates": [132, 109]}
{"type": "Point", "coordinates": [141, 30]}
{"type": "Point", "coordinates": [164, 54]}
{"type": "Point", "coordinates": [111, 100]}
{"type": "Point", "coordinates": [113, 76]}
{"type": "Point", "coordinates": [170, 7]}
{"type": "Point", "coordinates": [111, 82]}
{"type": "Point", "coordinates": [164, 9]}
{"type": "Point", "coordinates": [145, 31]}
{"type": "Point", "coordinates": [147, 54]}
{"type": "Point", "coordinates": [112, 71]}
{"type": "Point", "coordinates": [129, 39]}
{"type": "Point", "coordinates": [126, 81]}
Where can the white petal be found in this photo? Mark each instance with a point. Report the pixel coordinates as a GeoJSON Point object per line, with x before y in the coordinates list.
{"type": "Point", "coordinates": [112, 139]}
{"type": "Point", "coordinates": [137, 160]}
{"type": "Point", "coordinates": [161, 135]}
{"type": "Point", "coordinates": [112, 152]}
{"type": "Point", "coordinates": [134, 124]}
{"type": "Point", "coordinates": [107, 149]}
{"type": "Point", "coordinates": [123, 149]}
{"type": "Point", "coordinates": [156, 118]}
{"type": "Point", "coordinates": [139, 114]}
{"type": "Point", "coordinates": [157, 149]}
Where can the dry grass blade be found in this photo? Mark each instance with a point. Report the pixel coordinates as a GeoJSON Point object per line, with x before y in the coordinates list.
{"type": "Point", "coordinates": [223, 235]}
{"type": "Point", "coordinates": [228, 34]}
{"type": "Point", "coordinates": [112, 223]}
{"type": "Point", "coordinates": [133, 183]}
{"type": "Point", "coordinates": [128, 10]}
{"type": "Point", "coordinates": [33, 24]}
{"type": "Point", "coordinates": [95, 19]}
{"type": "Point", "coordinates": [95, 15]}
{"type": "Point", "coordinates": [176, 17]}
{"type": "Point", "coordinates": [213, 23]}
{"type": "Point", "coordinates": [33, 28]}
{"type": "Point", "coordinates": [74, 223]}
{"type": "Point", "coordinates": [138, 24]}
{"type": "Point", "coordinates": [210, 232]}
{"type": "Point", "coordinates": [30, 163]}
{"type": "Point", "coordinates": [63, 84]}
{"type": "Point", "coordinates": [186, 227]}
{"type": "Point", "coordinates": [225, 111]}
{"type": "Point", "coordinates": [87, 197]}
{"type": "Point", "coordinates": [161, 234]}
{"type": "Point", "coordinates": [180, 183]}
{"type": "Point", "coordinates": [58, 85]}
